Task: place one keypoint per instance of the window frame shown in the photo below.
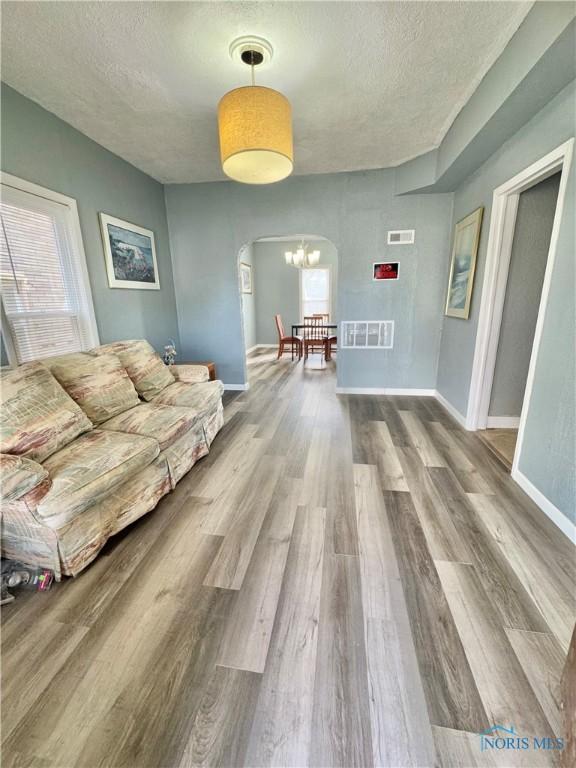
(328, 268)
(22, 185)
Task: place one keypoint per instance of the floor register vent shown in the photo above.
(367, 334)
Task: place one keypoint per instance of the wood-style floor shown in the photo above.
(502, 442)
(343, 581)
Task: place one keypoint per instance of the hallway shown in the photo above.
(342, 581)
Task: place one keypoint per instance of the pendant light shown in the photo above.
(255, 124)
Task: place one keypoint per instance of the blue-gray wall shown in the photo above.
(536, 209)
(210, 222)
(548, 455)
(248, 300)
(39, 147)
(278, 286)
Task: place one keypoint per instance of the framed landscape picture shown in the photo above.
(245, 277)
(130, 254)
(385, 270)
(463, 264)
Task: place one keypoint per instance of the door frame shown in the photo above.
(502, 225)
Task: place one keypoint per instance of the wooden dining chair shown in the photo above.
(330, 341)
(283, 340)
(314, 335)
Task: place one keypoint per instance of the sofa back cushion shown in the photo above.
(144, 366)
(37, 417)
(100, 385)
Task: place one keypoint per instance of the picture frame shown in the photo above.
(130, 254)
(385, 270)
(245, 277)
(463, 265)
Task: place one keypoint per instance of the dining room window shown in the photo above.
(315, 291)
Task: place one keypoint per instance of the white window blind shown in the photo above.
(315, 291)
(46, 303)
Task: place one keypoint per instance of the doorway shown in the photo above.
(529, 254)
(526, 213)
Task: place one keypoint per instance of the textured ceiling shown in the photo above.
(371, 83)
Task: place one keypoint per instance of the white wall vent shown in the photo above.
(367, 334)
(401, 236)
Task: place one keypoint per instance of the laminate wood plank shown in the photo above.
(468, 475)
(317, 471)
(443, 538)
(542, 659)
(249, 628)
(511, 600)
(221, 728)
(399, 719)
(450, 689)
(282, 727)
(231, 562)
(535, 565)
(341, 716)
(568, 705)
(401, 733)
(504, 689)
(340, 491)
(422, 441)
(29, 667)
(378, 565)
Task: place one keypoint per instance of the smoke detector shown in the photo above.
(251, 50)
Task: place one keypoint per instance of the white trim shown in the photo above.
(454, 412)
(502, 223)
(385, 391)
(560, 520)
(266, 346)
(8, 180)
(503, 422)
(241, 387)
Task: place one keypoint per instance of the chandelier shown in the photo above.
(255, 123)
(302, 257)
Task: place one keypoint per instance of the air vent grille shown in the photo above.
(401, 236)
(367, 334)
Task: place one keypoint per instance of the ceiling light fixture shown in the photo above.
(302, 257)
(255, 124)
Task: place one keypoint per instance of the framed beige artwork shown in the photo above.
(463, 265)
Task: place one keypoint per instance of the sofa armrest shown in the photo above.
(190, 374)
(19, 476)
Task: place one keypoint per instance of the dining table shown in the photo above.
(324, 327)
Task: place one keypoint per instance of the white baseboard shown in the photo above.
(561, 521)
(503, 422)
(384, 391)
(252, 349)
(454, 412)
(242, 387)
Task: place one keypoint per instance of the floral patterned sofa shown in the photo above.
(90, 442)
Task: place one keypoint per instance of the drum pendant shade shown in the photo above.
(255, 127)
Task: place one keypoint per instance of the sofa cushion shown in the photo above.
(100, 385)
(144, 366)
(87, 471)
(164, 423)
(201, 397)
(37, 416)
(19, 475)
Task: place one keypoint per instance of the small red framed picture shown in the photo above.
(385, 270)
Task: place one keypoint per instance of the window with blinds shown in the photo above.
(46, 301)
(315, 291)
